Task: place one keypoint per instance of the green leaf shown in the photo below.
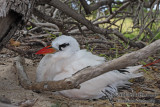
(29, 28)
(51, 35)
(144, 63)
(128, 105)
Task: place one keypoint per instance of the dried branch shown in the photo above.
(113, 15)
(91, 72)
(72, 13)
(127, 41)
(48, 25)
(93, 25)
(21, 51)
(39, 41)
(3, 10)
(85, 6)
(100, 3)
(37, 36)
(18, 63)
(144, 27)
(46, 17)
(78, 25)
(6, 105)
(148, 4)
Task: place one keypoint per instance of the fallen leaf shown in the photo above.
(14, 43)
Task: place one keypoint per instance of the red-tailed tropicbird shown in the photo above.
(68, 59)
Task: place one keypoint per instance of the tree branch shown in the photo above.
(78, 17)
(85, 6)
(99, 4)
(72, 13)
(46, 17)
(91, 72)
(127, 41)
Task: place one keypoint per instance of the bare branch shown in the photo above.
(3, 6)
(116, 12)
(78, 25)
(21, 73)
(6, 105)
(127, 41)
(48, 25)
(99, 4)
(72, 13)
(85, 6)
(46, 17)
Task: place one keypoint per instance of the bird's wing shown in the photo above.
(49, 66)
(86, 58)
(78, 61)
(108, 82)
(42, 67)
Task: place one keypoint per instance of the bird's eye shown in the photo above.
(63, 46)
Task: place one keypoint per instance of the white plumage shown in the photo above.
(70, 59)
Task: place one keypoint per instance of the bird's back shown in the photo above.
(78, 61)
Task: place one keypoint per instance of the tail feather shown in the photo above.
(133, 69)
(122, 80)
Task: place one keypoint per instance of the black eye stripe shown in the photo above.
(123, 71)
(63, 46)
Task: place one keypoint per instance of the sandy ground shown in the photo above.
(10, 88)
(14, 93)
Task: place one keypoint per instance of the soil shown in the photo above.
(12, 92)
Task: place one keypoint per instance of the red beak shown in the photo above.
(46, 50)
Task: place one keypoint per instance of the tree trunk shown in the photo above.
(13, 15)
(8, 26)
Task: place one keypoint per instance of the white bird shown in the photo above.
(69, 59)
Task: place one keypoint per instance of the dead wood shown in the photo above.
(8, 26)
(22, 7)
(46, 17)
(88, 73)
(6, 105)
(22, 51)
(24, 81)
(13, 15)
(72, 13)
(81, 19)
(85, 6)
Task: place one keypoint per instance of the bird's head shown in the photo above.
(63, 44)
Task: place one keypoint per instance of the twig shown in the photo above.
(127, 41)
(116, 12)
(18, 63)
(21, 51)
(39, 41)
(48, 25)
(46, 17)
(78, 25)
(85, 6)
(72, 13)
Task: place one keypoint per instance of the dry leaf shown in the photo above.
(158, 97)
(14, 43)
